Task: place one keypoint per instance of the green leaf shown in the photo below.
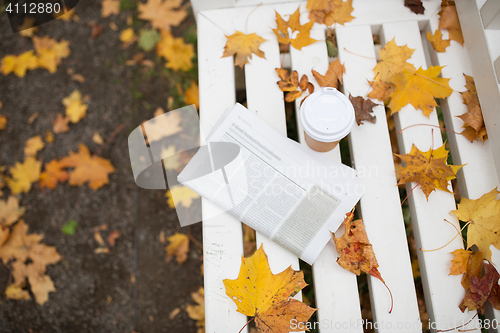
(69, 228)
(332, 49)
(148, 39)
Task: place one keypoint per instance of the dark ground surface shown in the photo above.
(95, 292)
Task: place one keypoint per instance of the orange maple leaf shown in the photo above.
(163, 14)
(243, 46)
(303, 36)
(178, 247)
(330, 11)
(54, 173)
(88, 168)
(438, 43)
(473, 120)
(428, 169)
(419, 89)
(290, 82)
(266, 297)
(381, 90)
(332, 76)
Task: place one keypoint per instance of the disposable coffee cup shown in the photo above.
(327, 116)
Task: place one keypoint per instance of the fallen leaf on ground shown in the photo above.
(266, 297)
(17, 293)
(163, 14)
(332, 76)
(23, 175)
(100, 250)
(60, 124)
(127, 36)
(243, 46)
(448, 19)
(49, 136)
(148, 39)
(110, 7)
(95, 32)
(161, 127)
(182, 195)
(178, 247)
(69, 228)
(473, 120)
(10, 211)
(75, 109)
(302, 37)
(50, 52)
(192, 95)
(419, 89)
(428, 169)
(415, 6)
(97, 138)
(3, 122)
(363, 109)
(196, 312)
(438, 43)
(112, 237)
(32, 118)
(177, 53)
(87, 168)
(33, 145)
(483, 219)
(98, 238)
(27, 29)
(175, 312)
(68, 16)
(53, 174)
(19, 65)
(170, 158)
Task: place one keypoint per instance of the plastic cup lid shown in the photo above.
(327, 115)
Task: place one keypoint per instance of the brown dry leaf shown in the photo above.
(100, 250)
(10, 211)
(97, 138)
(196, 312)
(192, 95)
(98, 238)
(303, 36)
(428, 169)
(460, 262)
(243, 46)
(53, 174)
(448, 19)
(113, 26)
(87, 168)
(60, 124)
(266, 297)
(419, 89)
(32, 118)
(438, 43)
(415, 6)
(75, 109)
(110, 7)
(23, 175)
(78, 77)
(290, 84)
(177, 53)
(332, 76)
(33, 145)
(381, 90)
(178, 247)
(96, 30)
(473, 120)
(163, 14)
(483, 221)
(112, 237)
(362, 109)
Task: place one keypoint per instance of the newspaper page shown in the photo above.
(272, 183)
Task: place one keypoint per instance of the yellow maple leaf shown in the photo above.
(192, 95)
(428, 169)
(170, 158)
(127, 36)
(163, 125)
(50, 52)
(53, 175)
(33, 145)
(110, 7)
(19, 65)
(483, 219)
(181, 195)
(460, 261)
(177, 53)
(448, 19)
(197, 312)
(393, 61)
(163, 14)
(75, 109)
(438, 43)
(10, 211)
(303, 36)
(87, 168)
(266, 297)
(178, 247)
(341, 12)
(23, 175)
(243, 46)
(419, 89)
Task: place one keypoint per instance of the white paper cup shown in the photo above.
(327, 116)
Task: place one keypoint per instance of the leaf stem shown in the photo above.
(246, 22)
(392, 299)
(446, 129)
(248, 322)
(359, 55)
(454, 328)
(408, 194)
(439, 248)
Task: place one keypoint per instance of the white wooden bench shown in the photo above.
(336, 290)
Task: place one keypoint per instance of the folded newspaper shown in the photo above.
(286, 191)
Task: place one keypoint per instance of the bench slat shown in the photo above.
(380, 204)
(442, 292)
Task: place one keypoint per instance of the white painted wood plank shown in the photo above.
(443, 293)
(222, 235)
(479, 175)
(336, 289)
(380, 204)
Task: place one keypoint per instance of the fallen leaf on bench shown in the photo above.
(330, 11)
(300, 34)
(243, 46)
(178, 247)
(415, 6)
(419, 89)
(332, 76)
(363, 109)
(290, 84)
(356, 252)
(197, 312)
(483, 221)
(163, 14)
(428, 169)
(393, 60)
(448, 19)
(438, 43)
(266, 297)
(473, 120)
